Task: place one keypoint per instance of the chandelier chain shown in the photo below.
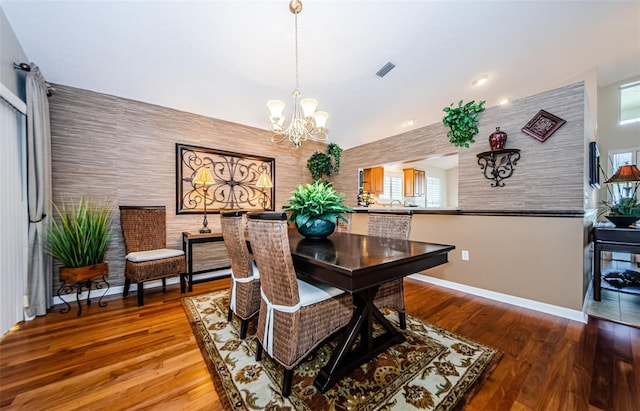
(297, 69)
(306, 122)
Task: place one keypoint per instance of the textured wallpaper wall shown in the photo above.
(123, 151)
(549, 176)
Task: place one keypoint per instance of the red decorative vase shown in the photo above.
(497, 139)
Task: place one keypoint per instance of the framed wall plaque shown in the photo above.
(235, 177)
(543, 125)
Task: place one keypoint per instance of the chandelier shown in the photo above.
(306, 123)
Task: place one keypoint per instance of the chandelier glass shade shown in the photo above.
(306, 123)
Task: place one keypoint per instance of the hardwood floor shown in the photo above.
(125, 357)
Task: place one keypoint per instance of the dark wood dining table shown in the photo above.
(359, 264)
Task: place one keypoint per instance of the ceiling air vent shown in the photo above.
(385, 69)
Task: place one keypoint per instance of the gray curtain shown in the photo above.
(39, 274)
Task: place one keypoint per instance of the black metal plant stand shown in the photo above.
(67, 289)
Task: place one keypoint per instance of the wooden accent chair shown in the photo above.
(245, 278)
(145, 241)
(396, 225)
(295, 316)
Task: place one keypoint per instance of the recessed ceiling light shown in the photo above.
(480, 80)
(409, 123)
(504, 101)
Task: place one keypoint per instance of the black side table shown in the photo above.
(188, 240)
(607, 237)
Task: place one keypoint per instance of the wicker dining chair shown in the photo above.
(396, 225)
(244, 296)
(344, 227)
(145, 242)
(295, 316)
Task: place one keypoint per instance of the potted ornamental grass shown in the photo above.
(315, 209)
(79, 238)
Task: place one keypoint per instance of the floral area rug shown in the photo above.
(433, 369)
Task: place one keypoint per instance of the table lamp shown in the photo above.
(204, 179)
(625, 174)
(264, 181)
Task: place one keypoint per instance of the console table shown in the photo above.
(607, 237)
(188, 240)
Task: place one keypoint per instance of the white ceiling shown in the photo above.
(225, 59)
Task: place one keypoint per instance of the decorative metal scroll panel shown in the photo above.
(235, 176)
(498, 165)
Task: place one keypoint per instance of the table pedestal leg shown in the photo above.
(345, 358)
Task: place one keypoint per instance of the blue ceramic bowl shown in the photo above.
(318, 230)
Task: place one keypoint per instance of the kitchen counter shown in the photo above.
(421, 210)
(457, 211)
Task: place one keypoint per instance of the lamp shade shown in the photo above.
(625, 174)
(264, 181)
(309, 106)
(276, 108)
(203, 178)
(321, 119)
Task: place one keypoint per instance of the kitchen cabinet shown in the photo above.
(373, 180)
(414, 182)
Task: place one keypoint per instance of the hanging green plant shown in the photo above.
(335, 150)
(462, 122)
(320, 164)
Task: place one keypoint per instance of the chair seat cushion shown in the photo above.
(150, 255)
(314, 293)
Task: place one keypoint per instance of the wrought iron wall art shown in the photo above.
(235, 176)
(498, 164)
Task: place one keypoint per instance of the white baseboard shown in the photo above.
(562, 312)
(96, 294)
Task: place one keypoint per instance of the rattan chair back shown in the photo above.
(244, 295)
(341, 226)
(270, 247)
(143, 228)
(235, 242)
(396, 225)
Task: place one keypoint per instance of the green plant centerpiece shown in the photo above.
(461, 121)
(315, 209)
(321, 164)
(79, 238)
